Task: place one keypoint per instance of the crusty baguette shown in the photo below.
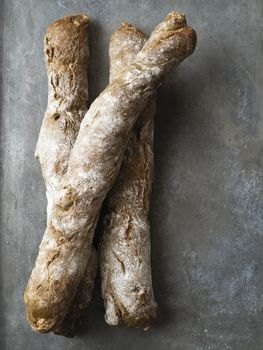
(125, 265)
(94, 163)
(67, 56)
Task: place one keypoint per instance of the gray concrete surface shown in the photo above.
(206, 212)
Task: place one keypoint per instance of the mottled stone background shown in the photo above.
(206, 211)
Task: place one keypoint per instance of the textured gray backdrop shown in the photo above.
(206, 212)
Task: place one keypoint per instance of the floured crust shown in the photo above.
(66, 55)
(93, 167)
(82, 299)
(121, 42)
(125, 266)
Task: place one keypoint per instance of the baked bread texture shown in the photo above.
(125, 265)
(82, 299)
(93, 166)
(67, 56)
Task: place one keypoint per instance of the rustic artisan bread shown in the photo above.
(67, 56)
(93, 165)
(125, 265)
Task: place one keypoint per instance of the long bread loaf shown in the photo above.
(125, 266)
(67, 56)
(94, 163)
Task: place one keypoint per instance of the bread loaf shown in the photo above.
(93, 165)
(125, 266)
(67, 56)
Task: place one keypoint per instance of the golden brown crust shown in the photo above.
(125, 250)
(64, 41)
(67, 56)
(93, 166)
